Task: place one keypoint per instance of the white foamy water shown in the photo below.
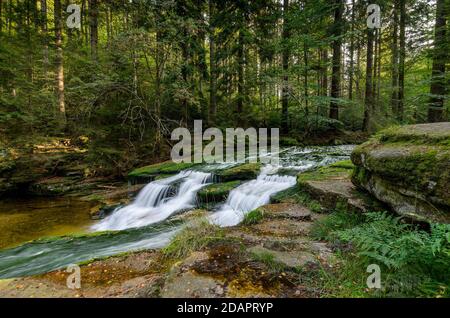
(250, 196)
(156, 202)
(153, 204)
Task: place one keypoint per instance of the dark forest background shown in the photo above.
(135, 70)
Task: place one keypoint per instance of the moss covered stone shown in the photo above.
(330, 188)
(165, 168)
(242, 172)
(342, 169)
(409, 169)
(216, 192)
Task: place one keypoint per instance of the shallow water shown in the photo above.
(23, 220)
(43, 256)
(144, 224)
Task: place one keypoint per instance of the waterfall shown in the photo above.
(250, 196)
(154, 204)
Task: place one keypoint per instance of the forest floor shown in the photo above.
(273, 253)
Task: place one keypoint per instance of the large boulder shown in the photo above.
(409, 169)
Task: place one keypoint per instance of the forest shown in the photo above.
(354, 203)
(132, 71)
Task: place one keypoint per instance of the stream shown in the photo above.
(147, 223)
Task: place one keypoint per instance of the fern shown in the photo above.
(417, 261)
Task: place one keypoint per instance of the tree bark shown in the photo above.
(440, 57)
(402, 58)
(375, 68)
(212, 67)
(324, 72)
(1, 16)
(395, 60)
(285, 66)
(305, 78)
(368, 104)
(59, 58)
(352, 52)
(337, 56)
(93, 24)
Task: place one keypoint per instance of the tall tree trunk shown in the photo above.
(241, 61)
(84, 24)
(108, 26)
(440, 58)
(212, 67)
(402, 58)
(185, 76)
(352, 53)
(9, 17)
(44, 27)
(305, 78)
(375, 68)
(337, 56)
(59, 58)
(395, 60)
(380, 41)
(368, 105)
(1, 16)
(285, 62)
(324, 71)
(93, 24)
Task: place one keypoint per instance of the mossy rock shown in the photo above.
(246, 171)
(330, 188)
(216, 192)
(340, 169)
(409, 169)
(164, 168)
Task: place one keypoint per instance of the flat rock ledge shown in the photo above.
(408, 168)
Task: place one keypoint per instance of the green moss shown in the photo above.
(243, 172)
(412, 166)
(166, 168)
(360, 176)
(336, 170)
(416, 134)
(217, 192)
(285, 196)
(299, 196)
(163, 176)
(254, 217)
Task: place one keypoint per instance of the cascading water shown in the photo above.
(153, 203)
(251, 196)
(148, 217)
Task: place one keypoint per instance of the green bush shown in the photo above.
(254, 217)
(193, 237)
(414, 262)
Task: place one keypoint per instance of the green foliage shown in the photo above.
(269, 260)
(317, 124)
(194, 237)
(387, 240)
(289, 142)
(327, 228)
(253, 217)
(414, 262)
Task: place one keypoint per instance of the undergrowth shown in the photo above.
(254, 217)
(413, 262)
(194, 237)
